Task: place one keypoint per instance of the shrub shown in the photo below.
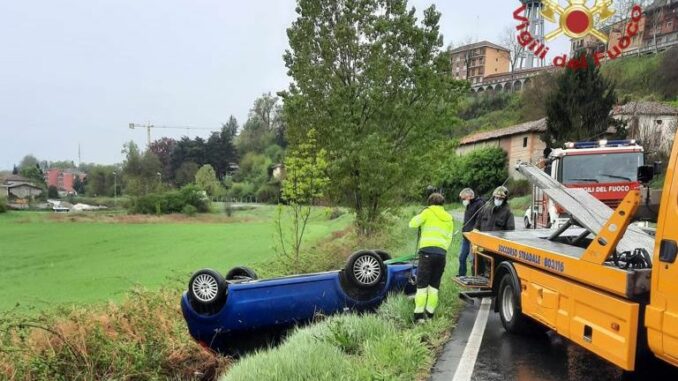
(336, 212)
(52, 192)
(3, 205)
(268, 193)
(482, 170)
(189, 210)
(143, 338)
(241, 190)
(171, 202)
(518, 188)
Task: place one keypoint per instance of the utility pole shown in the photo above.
(115, 188)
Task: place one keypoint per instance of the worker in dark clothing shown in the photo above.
(472, 205)
(496, 215)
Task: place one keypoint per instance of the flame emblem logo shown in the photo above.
(577, 19)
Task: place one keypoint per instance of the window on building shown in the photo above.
(525, 142)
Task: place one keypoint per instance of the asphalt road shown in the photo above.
(546, 357)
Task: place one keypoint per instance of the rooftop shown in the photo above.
(645, 108)
(478, 45)
(534, 126)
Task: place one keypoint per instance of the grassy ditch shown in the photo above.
(386, 345)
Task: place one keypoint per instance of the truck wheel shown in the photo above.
(207, 288)
(385, 256)
(508, 302)
(527, 222)
(365, 269)
(241, 273)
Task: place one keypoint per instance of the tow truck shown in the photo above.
(605, 168)
(597, 280)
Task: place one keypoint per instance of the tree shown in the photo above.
(79, 185)
(231, 127)
(306, 182)
(52, 192)
(378, 91)
(15, 170)
(186, 173)
(63, 164)
(29, 161)
(34, 173)
(162, 149)
(579, 107)
(141, 171)
(262, 125)
(101, 180)
(532, 98)
(220, 151)
(509, 40)
(206, 179)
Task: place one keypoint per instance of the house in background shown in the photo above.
(63, 179)
(522, 142)
(653, 124)
(19, 190)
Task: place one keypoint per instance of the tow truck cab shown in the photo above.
(661, 316)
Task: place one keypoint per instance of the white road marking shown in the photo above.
(470, 355)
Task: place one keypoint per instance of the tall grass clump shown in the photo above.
(143, 338)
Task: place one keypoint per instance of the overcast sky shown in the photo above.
(77, 72)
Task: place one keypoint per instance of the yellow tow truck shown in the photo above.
(597, 280)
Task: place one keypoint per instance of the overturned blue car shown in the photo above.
(219, 310)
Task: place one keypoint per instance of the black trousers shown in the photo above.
(430, 269)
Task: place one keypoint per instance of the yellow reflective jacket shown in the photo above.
(436, 227)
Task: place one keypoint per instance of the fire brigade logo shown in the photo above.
(577, 19)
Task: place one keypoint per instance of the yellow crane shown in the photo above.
(148, 127)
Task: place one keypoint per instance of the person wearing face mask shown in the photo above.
(472, 205)
(496, 215)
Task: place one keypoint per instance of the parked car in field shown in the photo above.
(217, 309)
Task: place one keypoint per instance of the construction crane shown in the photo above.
(148, 127)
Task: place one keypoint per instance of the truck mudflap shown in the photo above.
(604, 324)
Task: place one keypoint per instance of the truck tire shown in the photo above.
(526, 222)
(365, 269)
(508, 304)
(241, 273)
(207, 291)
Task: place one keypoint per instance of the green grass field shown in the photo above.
(46, 262)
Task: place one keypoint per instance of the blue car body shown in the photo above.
(283, 302)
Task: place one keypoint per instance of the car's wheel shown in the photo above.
(384, 255)
(241, 273)
(527, 222)
(207, 288)
(365, 269)
(508, 303)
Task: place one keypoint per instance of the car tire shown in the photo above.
(384, 255)
(207, 290)
(365, 269)
(526, 221)
(240, 273)
(508, 305)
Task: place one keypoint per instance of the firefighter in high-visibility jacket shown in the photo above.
(436, 236)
